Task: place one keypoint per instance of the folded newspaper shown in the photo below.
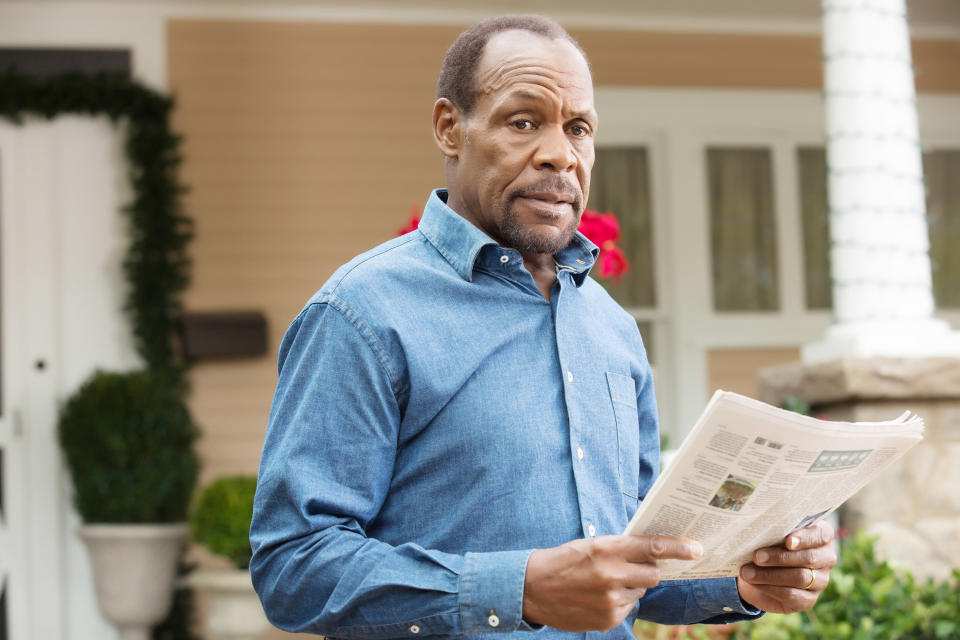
(749, 474)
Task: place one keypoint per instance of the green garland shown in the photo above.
(156, 265)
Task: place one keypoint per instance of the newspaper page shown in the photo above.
(749, 474)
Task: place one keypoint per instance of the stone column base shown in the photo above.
(914, 506)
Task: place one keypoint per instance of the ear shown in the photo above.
(448, 127)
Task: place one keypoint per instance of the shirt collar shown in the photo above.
(460, 242)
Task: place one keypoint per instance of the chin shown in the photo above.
(529, 241)
(527, 235)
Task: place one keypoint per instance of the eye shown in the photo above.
(522, 125)
(579, 131)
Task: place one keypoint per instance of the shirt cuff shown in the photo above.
(721, 597)
(491, 591)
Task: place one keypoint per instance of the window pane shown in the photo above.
(942, 172)
(621, 184)
(742, 230)
(814, 211)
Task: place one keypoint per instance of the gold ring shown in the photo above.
(813, 578)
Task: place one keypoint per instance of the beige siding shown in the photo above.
(736, 369)
(304, 145)
(636, 58)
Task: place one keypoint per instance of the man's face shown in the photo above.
(522, 169)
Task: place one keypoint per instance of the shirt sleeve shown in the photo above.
(326, 467)
(710, 601)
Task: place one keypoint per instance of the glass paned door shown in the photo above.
(814, 207)
(743, 234)
(942, 169)
(621, 184)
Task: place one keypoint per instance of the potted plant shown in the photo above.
(220, 521)
(128, 443)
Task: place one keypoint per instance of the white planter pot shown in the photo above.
(235, 612)
(134, 568)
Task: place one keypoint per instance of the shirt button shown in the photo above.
(727, 609)
(592, 530)
(493, 620)
(414, 628)
(569, 376)
(579, 453)
(504, 259)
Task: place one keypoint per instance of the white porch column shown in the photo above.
(880, 265)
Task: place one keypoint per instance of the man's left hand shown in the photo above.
(789, 577)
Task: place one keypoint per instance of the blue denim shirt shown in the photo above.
(436, 419)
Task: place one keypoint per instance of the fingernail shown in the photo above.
(762, 556)
(748, 572)
(697, 549)
(792, 543)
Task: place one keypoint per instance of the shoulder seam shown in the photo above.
(354, 319)
(373, 254)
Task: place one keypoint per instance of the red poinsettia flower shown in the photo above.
(613, 262)
(414, 220)
(603, 230)
(599, 227)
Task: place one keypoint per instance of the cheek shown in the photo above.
(584, 178)
(585, 168)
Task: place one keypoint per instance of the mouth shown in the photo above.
(548, 201)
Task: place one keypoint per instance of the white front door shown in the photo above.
(62, 186)
(13, 578)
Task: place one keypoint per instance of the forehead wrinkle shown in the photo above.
(520, 69)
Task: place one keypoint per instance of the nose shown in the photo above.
(555, 151)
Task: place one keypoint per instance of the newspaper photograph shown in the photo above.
(749, 473)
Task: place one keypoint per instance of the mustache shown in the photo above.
(555, 184)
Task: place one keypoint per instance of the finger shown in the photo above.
(640, 576)
(636, 594)
(818, 535)
(818, 558)
(648, 548)
(791, 599)
(797, 578)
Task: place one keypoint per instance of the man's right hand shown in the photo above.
(593, 584)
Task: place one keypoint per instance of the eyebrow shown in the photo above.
(587, 115)
(523, 93)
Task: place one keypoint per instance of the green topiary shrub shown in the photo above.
(221, 518)
(128, 442)
(868, 600)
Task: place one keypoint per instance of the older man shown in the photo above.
(465, 421)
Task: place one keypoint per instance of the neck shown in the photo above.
(543, 268)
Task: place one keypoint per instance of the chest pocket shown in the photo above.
(623, 397)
